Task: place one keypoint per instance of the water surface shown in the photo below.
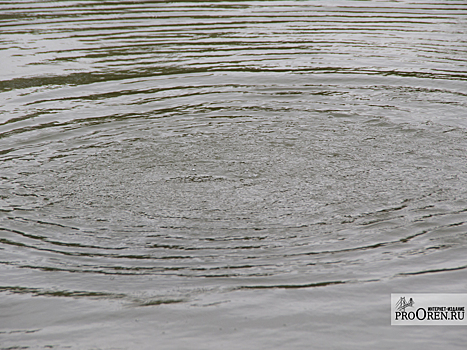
(249, 174)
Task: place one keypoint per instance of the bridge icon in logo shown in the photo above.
(402, 304)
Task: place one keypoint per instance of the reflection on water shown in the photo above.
(256, 172)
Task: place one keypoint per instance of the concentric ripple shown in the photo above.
(164, 152)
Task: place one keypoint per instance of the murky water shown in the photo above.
(249, 174)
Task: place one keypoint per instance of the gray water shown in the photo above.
(230, 175)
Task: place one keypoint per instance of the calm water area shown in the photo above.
(230, 174)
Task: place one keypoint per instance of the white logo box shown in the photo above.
(428, 309)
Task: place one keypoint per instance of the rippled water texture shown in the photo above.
(238, 175)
